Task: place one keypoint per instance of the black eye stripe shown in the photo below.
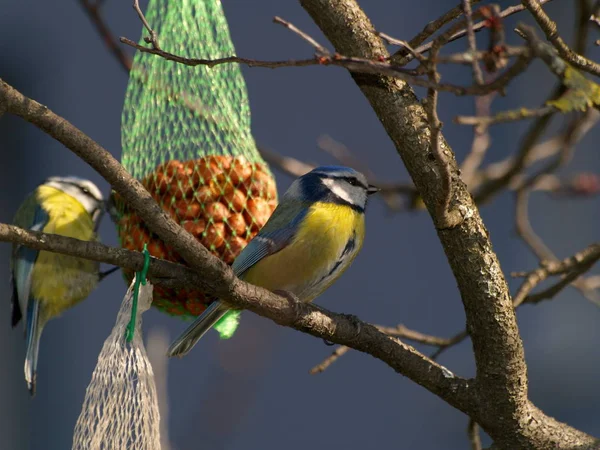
(351, 180)
(84, 190)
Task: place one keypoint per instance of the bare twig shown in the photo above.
(343, 154)
(481, 141)
(477, 74)
(494, 184)
(355, 64)
(153, 38)
(393, 41)
(212, 276)
(573, 266)
(428, 31)
(473, 433)
(93, 11)
(398, 331)
(318, 47)
(524, 228)
(444, 217)
(323, 366)
(510, 170)
(289, 165)
(454, 340)
(505, 116)
(550, 29)
(463, 32)
(467, 57)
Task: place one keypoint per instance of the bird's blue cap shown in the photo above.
(334, 170)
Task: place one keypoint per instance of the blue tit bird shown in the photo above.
(45, 284)
(311, 238)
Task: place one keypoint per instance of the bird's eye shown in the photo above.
(85, 190)
(353, 182)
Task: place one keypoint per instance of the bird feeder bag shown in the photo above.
(186, 136)
(120, 409)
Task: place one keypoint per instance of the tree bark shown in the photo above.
(503, 408)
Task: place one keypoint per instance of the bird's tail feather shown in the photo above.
(184, 343)
(34, 332)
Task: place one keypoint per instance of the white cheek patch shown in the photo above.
(338, 189)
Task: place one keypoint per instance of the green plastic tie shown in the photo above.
(140, 277)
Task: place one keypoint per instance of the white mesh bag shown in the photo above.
(120, 410)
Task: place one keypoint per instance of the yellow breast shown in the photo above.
(302, 267)
(60, 281)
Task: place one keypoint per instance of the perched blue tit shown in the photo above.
(45, 284)
(311, 238)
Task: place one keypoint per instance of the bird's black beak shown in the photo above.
(372, 189)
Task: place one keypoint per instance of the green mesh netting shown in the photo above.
(186, 136)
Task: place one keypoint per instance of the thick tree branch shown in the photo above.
(212, 276)
(501, 383)
(161, 272)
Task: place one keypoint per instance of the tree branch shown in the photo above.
(401, 57)
(501, 383)
(573, 267)
(211, 275)
(398, 331)
(93, 10)
(355, 64)
(550, 29)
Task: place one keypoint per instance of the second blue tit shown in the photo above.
(314, 234)
(45, 284)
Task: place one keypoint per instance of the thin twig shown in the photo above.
(321, 50)
(508, 172)
(467, 57)
(505, 116)
(550, 29)
(444, 217)
(337, 353)
(153, 38)
(354, 64)
(577, 264)
(481, 141)
(94, 13)
(524, 228)
(477, 74)
(211, 275)
(428, 31)
(474, 436)
(393, 41)
(463, 32)
(454, 340)
(398, 331)
(289, 165)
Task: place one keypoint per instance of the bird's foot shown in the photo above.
(293, 300)
(357, 324)
(287, 294)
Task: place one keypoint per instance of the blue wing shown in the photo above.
(277, 233)
(23, 260)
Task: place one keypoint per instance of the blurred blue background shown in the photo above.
(254, 391)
